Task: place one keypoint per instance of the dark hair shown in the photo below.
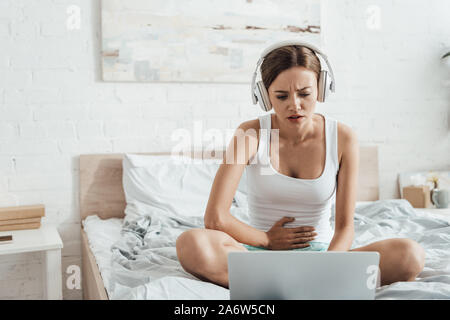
(285, 58)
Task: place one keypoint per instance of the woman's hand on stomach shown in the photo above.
(281, 238)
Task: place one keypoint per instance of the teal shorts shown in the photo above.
(313, 246)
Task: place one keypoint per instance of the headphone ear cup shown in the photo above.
(324, 86)
(263, 96)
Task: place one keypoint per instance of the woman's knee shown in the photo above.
(188, 243)
(199, 248)
(411, 256)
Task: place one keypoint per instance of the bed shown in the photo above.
(102, 206)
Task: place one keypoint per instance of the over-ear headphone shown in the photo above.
(326, 80)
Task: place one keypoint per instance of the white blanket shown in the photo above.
(144, 264)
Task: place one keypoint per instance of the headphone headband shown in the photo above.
(290, 43)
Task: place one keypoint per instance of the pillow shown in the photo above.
(170, 184)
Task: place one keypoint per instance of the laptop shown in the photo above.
(308, 275)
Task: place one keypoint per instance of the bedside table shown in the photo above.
(47, 240)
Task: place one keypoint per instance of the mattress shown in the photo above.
(432, 232)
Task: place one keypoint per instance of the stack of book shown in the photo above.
(21, 217)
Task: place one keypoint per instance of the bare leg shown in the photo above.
(204, 253)
(400, 259)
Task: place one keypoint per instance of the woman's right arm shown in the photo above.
(242, 147)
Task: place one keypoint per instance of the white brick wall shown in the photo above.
(54, 106)
(390, 86)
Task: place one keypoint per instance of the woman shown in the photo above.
(314, 158)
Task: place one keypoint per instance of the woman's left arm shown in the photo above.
(346, 192)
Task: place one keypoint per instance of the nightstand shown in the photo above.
(45, 239)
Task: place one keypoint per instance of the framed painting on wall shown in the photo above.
(198, 40)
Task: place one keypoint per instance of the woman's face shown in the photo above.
(294, 92)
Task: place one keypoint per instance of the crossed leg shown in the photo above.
(400, 259)
(203, 253)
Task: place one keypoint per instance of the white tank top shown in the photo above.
(272, 195)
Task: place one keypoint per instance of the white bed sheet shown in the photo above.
(102, 234)
(434, 281)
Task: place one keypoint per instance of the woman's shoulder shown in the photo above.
(347, 139)
(250, 124)
(346, 132)
(248, 135)
(249, 128)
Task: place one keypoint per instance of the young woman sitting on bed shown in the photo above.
(292, 184)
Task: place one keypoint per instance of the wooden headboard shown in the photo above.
(101, 190)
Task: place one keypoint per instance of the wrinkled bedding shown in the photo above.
(143, 263)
